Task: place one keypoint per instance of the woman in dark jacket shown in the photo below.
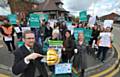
(48, 30)
(79, 61)
(68, 47)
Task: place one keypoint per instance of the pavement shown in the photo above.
(95, 68)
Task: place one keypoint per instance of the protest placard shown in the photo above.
(12, 18)
(105, 39)
(25, 28)
(17, 29)
(76, 31)
(92, 21)
(43, 17)
(83, 15)
(34, 21)
(108, 23)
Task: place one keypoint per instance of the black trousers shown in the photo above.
(82, 73)
(102, 51)
(9, 44)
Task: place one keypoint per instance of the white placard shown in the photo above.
(108, 23)
(17, 29)
(52, 22)
(7, 38)
(92, 21)
(105, 39)
(25, 28)
(63, 68)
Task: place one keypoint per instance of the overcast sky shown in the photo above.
(93, 7)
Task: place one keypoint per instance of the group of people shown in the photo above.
(28, 57)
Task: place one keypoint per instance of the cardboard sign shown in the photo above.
(63, 68)
(34, 21)
(12, 18)
(108, 23)
(83, 16)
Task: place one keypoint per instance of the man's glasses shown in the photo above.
(30, 38)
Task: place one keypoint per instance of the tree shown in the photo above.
(20, 7)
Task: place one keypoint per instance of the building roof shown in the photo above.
(49, 5)
(110, 16)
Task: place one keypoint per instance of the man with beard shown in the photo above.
(27, 58)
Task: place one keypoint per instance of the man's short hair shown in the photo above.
(26, 32)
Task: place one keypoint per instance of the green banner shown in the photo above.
(76, 31)
(44, 16)
(12, 18)
(34, 21)
(83, 16)
(20, 43)
(87, 33)
(55, 43)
